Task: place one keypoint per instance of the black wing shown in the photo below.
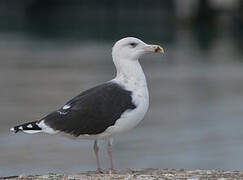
(92, 111)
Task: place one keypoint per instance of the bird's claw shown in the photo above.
(100, 171)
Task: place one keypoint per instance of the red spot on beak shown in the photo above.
(158, 50)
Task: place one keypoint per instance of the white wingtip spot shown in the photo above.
(62, 113)
(20, 127)
(12, 130)
(66, 106)
(29, 126)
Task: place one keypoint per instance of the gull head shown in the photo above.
(133, 48)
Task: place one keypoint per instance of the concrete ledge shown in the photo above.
(140, 174)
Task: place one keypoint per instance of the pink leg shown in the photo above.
(109, 150)
(112, 170)
(96, 150)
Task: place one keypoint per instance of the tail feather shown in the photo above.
(31, 127)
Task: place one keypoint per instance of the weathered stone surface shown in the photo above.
(140, 174)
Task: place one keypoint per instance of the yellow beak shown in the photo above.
(155, 48)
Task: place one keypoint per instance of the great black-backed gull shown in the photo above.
(107, 109)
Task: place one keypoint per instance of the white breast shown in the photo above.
(130, 118)
(131, 76)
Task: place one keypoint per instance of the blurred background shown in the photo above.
(51, 50)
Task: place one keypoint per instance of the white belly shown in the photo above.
(130, 118)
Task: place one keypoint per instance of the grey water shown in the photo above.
(194, 121)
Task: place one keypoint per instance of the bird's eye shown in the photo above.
(133, 44)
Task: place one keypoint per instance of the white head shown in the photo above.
(132, 48)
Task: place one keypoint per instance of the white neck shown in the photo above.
(131, 75)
